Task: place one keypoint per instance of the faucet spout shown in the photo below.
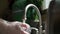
(39, 14)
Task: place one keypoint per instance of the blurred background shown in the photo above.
(13, 10)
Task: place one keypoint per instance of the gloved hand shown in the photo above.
(13, 27)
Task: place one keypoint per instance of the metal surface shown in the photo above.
(38, 12)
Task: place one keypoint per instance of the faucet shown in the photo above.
(38, 12)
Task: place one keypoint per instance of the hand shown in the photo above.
(12, 27)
